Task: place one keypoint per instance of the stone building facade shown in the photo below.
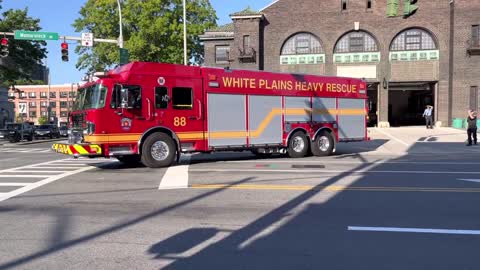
(430, 57)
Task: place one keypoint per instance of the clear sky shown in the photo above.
(58, 16)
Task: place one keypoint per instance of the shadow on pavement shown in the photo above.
(303, 233)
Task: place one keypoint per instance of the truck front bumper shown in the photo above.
(78, 150)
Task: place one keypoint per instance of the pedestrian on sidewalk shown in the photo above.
(472, 127)
(428, 116)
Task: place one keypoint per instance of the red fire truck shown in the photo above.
(153, 112)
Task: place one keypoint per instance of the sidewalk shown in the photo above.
(411, 140)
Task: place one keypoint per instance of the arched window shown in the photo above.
(355, 42)
(413, 40)
(302, 43)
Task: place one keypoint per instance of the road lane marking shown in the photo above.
(53, 166)
(332, 188)
(329, 171)
(413, 230)
(176, 176)
(470, 180)
(393, 137)
(14, 184)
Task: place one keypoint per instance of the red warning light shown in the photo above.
(4, 41)
(64, 45)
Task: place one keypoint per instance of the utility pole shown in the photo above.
(184, 32)
(120, 38)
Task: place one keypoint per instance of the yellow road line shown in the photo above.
(333, 188)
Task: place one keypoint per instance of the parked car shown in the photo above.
(63, 131)
(14, 132)
(47, 131)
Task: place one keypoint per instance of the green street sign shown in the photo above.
(124, 56)
(32, 35)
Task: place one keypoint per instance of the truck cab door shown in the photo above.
(179, 106)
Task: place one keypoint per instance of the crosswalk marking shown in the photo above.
(13, 184)
(35, 171)
(25, 150)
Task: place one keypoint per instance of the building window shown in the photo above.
(33, 114)
(43, 104)
(32, 104)
(53, 95)
(71, 94)
(344, 4)
(53, 113)
(31, 94)
(63, 94)
(63, 114)
(302, 43)
(43, 94)
(474, 98)
(369, 4)
(63, 104)
(413, 40)
(23, 95)
(182, 98)
(476, 35)
(44, 113)
(222, 53)
(356, 42)
(53, 104)
(246, 42)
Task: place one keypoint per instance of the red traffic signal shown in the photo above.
(64, 51)
(4, 47)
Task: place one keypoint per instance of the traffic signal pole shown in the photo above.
(101, 40)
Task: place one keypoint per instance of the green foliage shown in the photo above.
(24, 55)
(42, 120)
(152, 31)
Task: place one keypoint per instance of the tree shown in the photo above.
(152, 30)
(42, 120)
(24, 55)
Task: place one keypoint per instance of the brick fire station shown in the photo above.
(411, 57)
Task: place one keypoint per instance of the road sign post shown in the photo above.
(32, 35)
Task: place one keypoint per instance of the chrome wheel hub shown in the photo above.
(323, 143)
(298, 144)
(160, 151)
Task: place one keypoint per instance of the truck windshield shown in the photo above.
(92, 97)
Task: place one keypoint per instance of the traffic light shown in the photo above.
(392, 8)
(409, 8)
(4, 47)
(64, 52)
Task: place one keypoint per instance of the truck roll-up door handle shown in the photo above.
(192, 118)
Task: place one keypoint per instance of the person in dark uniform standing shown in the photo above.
(472, 127)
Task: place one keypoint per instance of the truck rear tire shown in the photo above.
(323, 144)
(129, 159)
(158, 151)
(298, 145)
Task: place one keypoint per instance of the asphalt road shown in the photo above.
(364, 208)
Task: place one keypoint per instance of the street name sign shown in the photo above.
(87, 39)
(32, 35)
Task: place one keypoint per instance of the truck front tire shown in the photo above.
(158, 151)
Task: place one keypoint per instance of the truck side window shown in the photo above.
(161, 97)
(182, 98)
